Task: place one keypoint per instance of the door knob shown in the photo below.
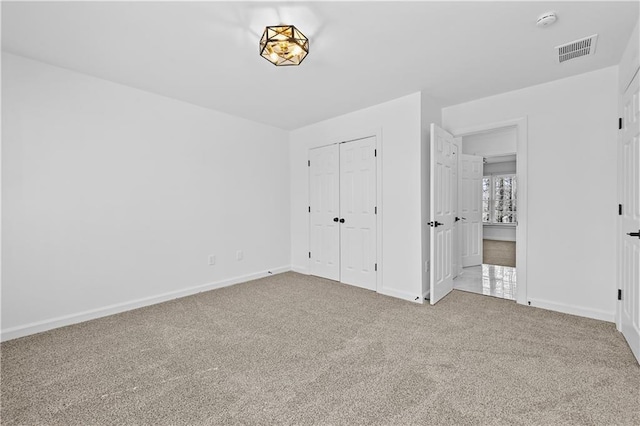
(335, 219)
(460, 218)
(434, 224)
(634, 234)
(342, 220)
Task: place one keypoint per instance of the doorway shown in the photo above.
(343, 210)
(492, 210)
(499, 210)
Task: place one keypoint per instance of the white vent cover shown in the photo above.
(583, 47)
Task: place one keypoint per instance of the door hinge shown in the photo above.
(309, 255)
(619, 294)
(375, 210)
(375, 267)
(619, 209)
(309, 209)
(620, 123)
(375, 152)
(309, 163)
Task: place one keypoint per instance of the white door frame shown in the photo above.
(521, 175)
(380, 210)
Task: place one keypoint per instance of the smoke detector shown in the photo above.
(583, 47)
(546, 19)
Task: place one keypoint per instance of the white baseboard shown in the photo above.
(300, 269)
(574, 310)
(40, 326)
(401, 295)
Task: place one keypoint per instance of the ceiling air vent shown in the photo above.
(583, 47)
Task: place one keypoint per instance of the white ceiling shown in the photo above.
(362, 53)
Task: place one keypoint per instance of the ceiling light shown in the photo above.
(283, 45)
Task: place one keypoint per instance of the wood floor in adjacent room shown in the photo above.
(501, 253)
(294, 349)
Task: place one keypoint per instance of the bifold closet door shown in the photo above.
(324, 238)
(357, 213)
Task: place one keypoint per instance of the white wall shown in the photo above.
(499, 232)
(499, 168)
(114, 197)
(630, 60)
(571, 166)
(496, 142)
(398, 124)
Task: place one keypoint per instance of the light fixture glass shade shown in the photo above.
(284, 45)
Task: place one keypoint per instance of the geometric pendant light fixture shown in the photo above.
(283, 45)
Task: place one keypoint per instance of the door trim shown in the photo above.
(522, 172)
(377, 133)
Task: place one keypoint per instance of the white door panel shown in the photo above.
(442, 169)
(629, 245)
(357, 209)
(324, 239)
(470, 203)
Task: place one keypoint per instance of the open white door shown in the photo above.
(470, 204)
(629, 239)
(324, 179)
(358, 213)
(442, 164)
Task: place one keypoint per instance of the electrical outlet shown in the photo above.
(239, 255)
(212, 259)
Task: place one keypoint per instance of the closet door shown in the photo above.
(324, 212)
(358, 213)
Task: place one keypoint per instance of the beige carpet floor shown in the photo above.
(501, 253)
(292, 349)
